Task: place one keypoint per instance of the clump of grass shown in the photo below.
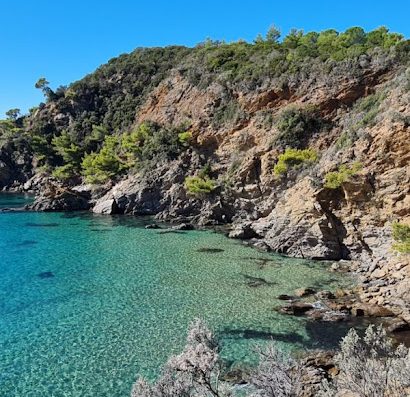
(334, 180)
(198, 186)
(401, 234)
(294, 158)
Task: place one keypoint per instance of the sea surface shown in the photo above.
(88, 302)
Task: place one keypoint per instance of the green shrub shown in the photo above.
(295, 125)
(346, 139)
(401, 234)
(197, 186)
(294, 158)
(65, 172)
(184, 137)
(334, 180)
(369, 106)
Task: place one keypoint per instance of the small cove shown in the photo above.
(87, 302)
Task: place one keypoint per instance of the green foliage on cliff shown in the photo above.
(269, 58)
(294, 158)
(184, 137)
(401, 234)
(146, 144)
(334, 180)
(295, 125)
(197, 185)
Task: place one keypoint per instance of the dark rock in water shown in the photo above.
(26, 243)
(397, 325)
(301, 292)
(101, 230)
(32, 224)
(284, 297)
(325, 295)
(210, 250)
(20, 209)
(256, 281)
(170, 231)
(296, 308)
(184, 226)
(46, 275)
(152, 226)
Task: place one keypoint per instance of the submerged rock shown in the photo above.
(296, 308)
(284, 297)
(210, 250)
(45, 275)
(302, 292)
(184, 226)
(152, 226)
(252, 281)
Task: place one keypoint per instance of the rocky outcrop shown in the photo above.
(15, 166)
(107, 207)
(56, 198)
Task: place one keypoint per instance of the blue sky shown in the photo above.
(64, 40)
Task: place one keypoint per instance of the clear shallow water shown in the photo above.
(87, 302)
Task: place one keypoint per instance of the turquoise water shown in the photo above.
(87, 302)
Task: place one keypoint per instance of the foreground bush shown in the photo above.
(370, 366)
(194, 372)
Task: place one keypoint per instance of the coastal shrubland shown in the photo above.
(367, 366)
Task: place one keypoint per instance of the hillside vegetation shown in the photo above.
(70, 134)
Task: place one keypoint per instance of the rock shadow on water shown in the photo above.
(45, 275)
(171, 231)
(210, 250)
(290, 337)
(262, 263)
(100, 230)
(256, 282)
(33, 224)
(27, 243)
(327, 335)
